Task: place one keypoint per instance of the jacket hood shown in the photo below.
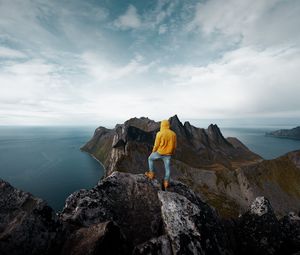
(165, 124)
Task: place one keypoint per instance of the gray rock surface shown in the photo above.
(191, 228)
(129, 200)
(27, 224)
(126, 213)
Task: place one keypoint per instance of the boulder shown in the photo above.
(27, 224)
(192, 228)
(258, 230)
(129, 200)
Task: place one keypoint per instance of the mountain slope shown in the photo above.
(293, 133)
(224, 172)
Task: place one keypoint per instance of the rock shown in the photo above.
(191, 228)
(258, 230)
(216, 137)
(290, 225)
(126, 213)
(102, 238)
(143, 213)
(27, 224)
(261, 206)
(128, 145)
(160, 246)
(126, 149)
(129, 200)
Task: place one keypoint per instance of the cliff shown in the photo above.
(128, 214)
(223, 172)
(293, 133)
(128, 146)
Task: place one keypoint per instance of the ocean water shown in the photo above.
(265, 146)
(47, 161)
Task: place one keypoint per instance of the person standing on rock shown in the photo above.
(164, 147)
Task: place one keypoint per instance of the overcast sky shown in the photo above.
(85, 62)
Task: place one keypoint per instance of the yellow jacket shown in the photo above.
(165, 140)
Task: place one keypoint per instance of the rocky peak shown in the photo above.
(176, 221)
(129, 214)
(261, 206)
(214, 133)
(177, 126)
(143, 123)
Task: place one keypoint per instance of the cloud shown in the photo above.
(129, 20)
(270, 22)
(11, 53)
(104, 71)
(74, 63)
(245, 82)
(162, 29)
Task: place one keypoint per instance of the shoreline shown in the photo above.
(104, 170)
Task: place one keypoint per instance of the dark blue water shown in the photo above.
(265, 146)
(47, 161)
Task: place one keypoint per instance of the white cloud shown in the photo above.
(129, 20)
(258, 22)
(245, 82)
(10, 53)
(66, 66)
(103, 71)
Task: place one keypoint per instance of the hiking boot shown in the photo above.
(150, 175)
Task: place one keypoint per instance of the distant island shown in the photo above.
(293, 133)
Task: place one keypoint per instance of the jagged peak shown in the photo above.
(186, 123)
(175, 122)
(175, 119)
(214, 130)
(213, 127)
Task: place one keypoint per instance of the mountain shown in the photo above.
(128, 146)
(224, 172)
(293, 133)
(128, 214)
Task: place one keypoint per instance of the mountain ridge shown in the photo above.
(220, 170)
(293, 133)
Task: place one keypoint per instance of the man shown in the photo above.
(164, 147)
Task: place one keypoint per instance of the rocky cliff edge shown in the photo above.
(128, 214)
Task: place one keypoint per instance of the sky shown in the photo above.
(87, 62)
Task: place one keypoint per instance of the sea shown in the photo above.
(48, 162)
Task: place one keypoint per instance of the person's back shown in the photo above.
(164, 146)
(165, 141)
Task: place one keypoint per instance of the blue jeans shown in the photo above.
(166, 158)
